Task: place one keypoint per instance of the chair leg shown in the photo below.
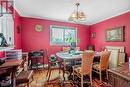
(91, 79)
(107, 74)
(48, 71)
(32, 78)
(73, 73)
(27, 84)
(82, 82)
(49, 75)
(59, 69)
(100, 74)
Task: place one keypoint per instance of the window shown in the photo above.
(60, 35)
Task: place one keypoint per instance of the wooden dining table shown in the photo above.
(12, 66)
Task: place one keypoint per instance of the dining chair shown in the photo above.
(102, 65)
(24, 75)
(85, 68)
(91, 47)
(77, 49)
(66, 49)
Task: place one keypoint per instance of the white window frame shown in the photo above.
(62, 27)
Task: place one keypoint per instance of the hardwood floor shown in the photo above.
(40, 80)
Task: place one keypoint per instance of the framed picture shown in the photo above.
(93, 35)
(115, 34)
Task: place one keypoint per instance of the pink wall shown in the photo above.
(32, 40)
(100, 28)
(17, 36)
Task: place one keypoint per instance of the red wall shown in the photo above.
(100, 28)
(32, 40)
(17, 36)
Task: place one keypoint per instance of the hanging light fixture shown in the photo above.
(77, 16)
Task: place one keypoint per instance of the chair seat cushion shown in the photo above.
(24, 76)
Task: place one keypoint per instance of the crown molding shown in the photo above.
(81, 23)
(111, 17)
(53, 19)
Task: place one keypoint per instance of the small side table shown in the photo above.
(37, 62)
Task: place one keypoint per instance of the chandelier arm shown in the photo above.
(77, 13)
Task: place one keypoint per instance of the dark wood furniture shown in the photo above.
(24, 77)
(11, 65)
(35, 58)
(120, 76)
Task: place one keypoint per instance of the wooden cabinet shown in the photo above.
(120, 76)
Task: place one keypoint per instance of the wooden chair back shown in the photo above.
(87, 61)
(77, 49)
(104, 59)
(91, 47)
(66, 49)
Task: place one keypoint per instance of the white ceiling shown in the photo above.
(95, 10)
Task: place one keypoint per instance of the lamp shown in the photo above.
(77, 15)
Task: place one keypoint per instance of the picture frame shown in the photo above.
(115, 34)
(93, 35)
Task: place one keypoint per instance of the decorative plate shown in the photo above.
(38, 28)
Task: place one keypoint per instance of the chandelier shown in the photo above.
(77, 16)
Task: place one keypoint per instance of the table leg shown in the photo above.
(13, 79)
(43, 62)
(31, 63)
(64, 63)
(37, 63)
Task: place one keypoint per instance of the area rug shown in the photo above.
(58, 83)
(54, 83)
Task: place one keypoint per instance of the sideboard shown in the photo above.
(120, 76)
